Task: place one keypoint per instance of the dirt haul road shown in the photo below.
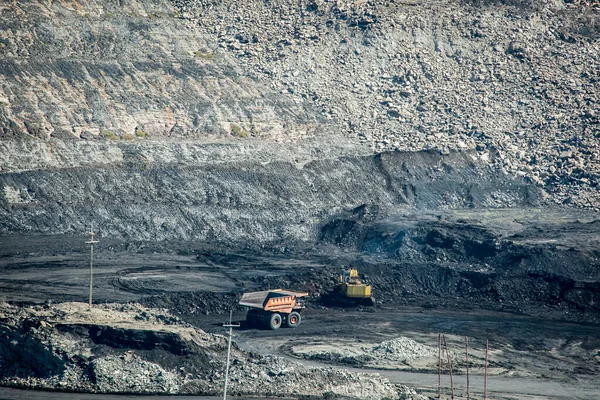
(528, 358)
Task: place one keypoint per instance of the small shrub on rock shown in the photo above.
(238, 131)
(140, 133)
(109, 135)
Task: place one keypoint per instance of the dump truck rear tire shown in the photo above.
(252, 317)
(275, 321)
(294, 319)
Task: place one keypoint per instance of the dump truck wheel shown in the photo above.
(252, 317)
(293, 320)
(275, 321)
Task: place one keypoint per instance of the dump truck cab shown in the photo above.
(273, 308)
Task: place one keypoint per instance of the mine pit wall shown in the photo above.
(131, 70)
(246, 203)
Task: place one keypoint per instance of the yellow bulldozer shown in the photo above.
(351, 290)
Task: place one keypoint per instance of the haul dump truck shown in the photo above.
(350, 290)
(273, 308)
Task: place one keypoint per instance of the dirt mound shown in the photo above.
(402, 349)
(127, 348)
(398, 353)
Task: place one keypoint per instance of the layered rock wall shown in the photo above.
(248, 203)
(110, 109)
(127, 71)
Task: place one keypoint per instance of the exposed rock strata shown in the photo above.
(249, 204)
(127, 71)
(519, 78)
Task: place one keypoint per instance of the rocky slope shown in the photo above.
(250, 204)
(116, 348)
(99, 83)
(517, 76)
(127, 70)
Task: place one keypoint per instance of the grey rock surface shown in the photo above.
(517, 76)
(101, 83)
(114, 71)
(249, 204)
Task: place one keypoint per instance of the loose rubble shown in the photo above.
(402, 349)
(515, 78)
(127, 348)
(400, 353)
(132, 374)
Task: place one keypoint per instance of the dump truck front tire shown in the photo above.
(294, 319)
(275, 321)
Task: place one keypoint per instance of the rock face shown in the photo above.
(517, 76)
(117, 348)
(250, 204)
(127, 71)
(94, 83)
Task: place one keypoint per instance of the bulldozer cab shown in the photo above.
(349, 276)
(351, 290)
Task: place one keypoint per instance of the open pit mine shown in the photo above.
(313, 199)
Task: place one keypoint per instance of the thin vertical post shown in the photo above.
(450, 365)
(230, 326)
(467, 361)
(91, 274)
(439, 366)
(485, 371)
(91, 242)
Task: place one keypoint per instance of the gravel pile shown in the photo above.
(272, 376)
(397, 353)
(401, 349)
(516, 78)
(128, 373)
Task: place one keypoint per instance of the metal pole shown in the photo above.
(439, 366)
(467, 360)
(450, 365)
(91, 273)
(230, 326)
(227, 365)
(485, 371)
(91, 243)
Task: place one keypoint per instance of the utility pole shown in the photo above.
(439, 366)
(485, 371)
(230, 326)
(91, 242)
(450, 365)
(467, 362)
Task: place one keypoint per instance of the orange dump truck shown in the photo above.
(273, 308)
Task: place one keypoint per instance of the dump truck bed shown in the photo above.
(272, 300)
